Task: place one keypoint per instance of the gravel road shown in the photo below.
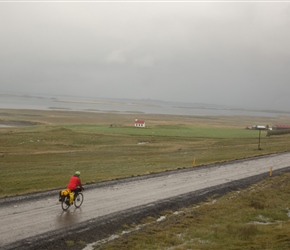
(31, 220)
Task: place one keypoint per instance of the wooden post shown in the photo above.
(271, 171)
(193, 163)
(259, 139)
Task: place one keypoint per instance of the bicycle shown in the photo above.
(78, 201)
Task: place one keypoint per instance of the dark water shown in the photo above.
(125, 106)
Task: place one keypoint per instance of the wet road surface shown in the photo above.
(23, 218)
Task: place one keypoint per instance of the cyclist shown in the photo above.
(75, 184)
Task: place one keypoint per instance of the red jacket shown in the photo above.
(74, 183)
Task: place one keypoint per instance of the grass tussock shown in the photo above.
(238, 220)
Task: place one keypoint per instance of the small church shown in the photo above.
(139, 123)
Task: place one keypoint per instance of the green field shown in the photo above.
(107, 146)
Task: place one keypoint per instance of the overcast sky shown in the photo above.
(228, 53)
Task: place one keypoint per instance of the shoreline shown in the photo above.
(124, 106)
(13, 118)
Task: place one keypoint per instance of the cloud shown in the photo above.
(116, 56)
(145, 61)
(216, 52)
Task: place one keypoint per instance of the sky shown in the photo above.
(233, 53)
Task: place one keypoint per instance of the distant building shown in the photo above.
(260, 127)
(139, 123)
(280, 126)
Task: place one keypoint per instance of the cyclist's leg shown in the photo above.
(71, 196)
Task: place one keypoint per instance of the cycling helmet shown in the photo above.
(78, 173)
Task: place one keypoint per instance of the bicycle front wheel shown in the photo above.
(79, 200)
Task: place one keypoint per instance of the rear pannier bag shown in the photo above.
(64, 193)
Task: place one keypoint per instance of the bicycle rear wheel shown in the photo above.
(79, 200)
(65, 204)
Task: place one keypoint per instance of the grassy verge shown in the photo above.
(253, 218)
(107, 146)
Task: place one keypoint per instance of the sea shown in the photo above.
(125, 106)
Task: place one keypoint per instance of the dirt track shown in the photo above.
(38, 222)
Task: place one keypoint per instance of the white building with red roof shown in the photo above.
(139, 123)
